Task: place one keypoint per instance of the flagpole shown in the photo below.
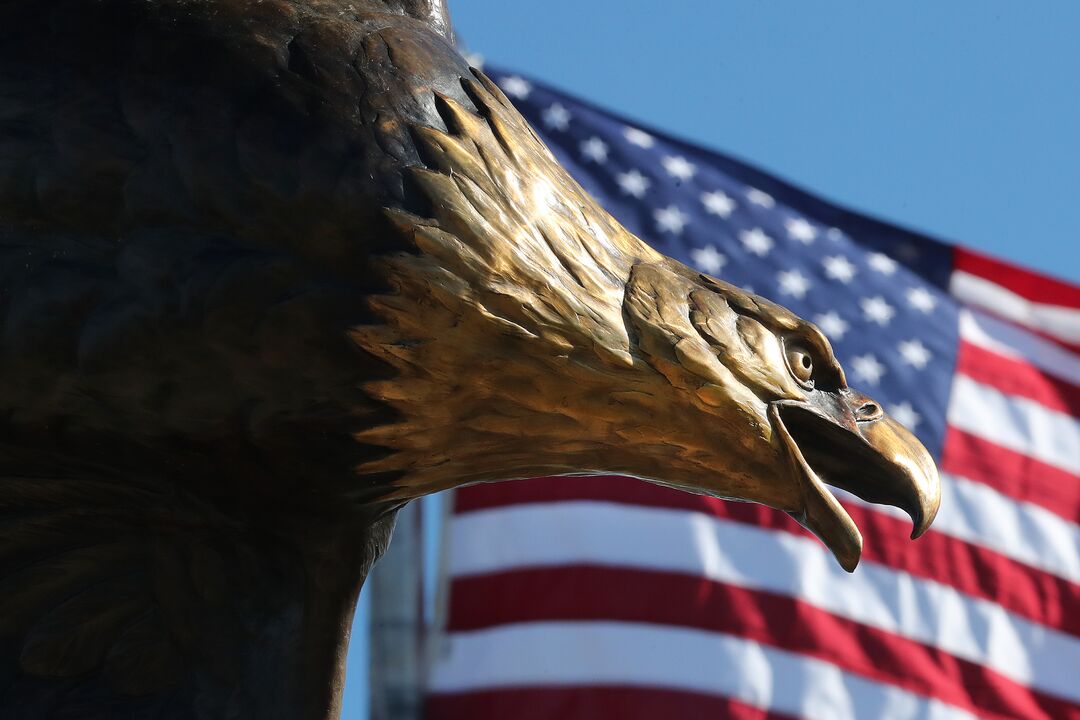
(397, 622)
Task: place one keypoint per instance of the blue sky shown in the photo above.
(958, 118)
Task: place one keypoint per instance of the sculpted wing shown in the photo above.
(189, 192)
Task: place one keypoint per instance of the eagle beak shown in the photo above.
(844, 439)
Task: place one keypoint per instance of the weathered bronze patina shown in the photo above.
(534, 335)
(271, 268)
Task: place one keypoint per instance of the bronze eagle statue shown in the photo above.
(269, 269)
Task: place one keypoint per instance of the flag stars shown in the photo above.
(921, 299)
(756, 241)
(718, 202)
(671, 219)
(832, 325)
(834, 234)
(875, 309)
(595, 149)
(634, 136)
(516, 86)
(678, 167)
(914, 353)
(882, 263)
(557, 117)
(633, 183)
(760, 197)
(792, 282)
(838, 267)
(905, 414)
(801, 230)
(867, 368)
(708, 259)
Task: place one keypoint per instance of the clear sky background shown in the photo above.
(959, 118)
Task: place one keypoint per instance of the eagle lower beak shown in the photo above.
(843, 438)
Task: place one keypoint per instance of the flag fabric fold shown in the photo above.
(608, 597)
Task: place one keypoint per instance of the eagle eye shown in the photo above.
(800, 364)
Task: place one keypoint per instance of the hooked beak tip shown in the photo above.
(923, 517)
(878, 460)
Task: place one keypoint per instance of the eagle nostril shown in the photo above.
(868, 411)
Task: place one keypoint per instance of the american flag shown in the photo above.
(610, 598)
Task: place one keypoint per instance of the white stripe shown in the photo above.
(567, 533)
(1011, 341)
(978, 514)
(973, 512)
(607, 653)
(1016, 423)
(1057, 320)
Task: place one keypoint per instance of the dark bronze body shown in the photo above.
(270, 268)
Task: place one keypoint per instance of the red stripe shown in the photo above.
(590, 703)
(613, 488)
(583, 593)
(1017, 377)
(973, 570)
(1014, 474)
(1025, 283)
(1034, 286)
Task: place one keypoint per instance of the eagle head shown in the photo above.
(531, 334)
(763, 401)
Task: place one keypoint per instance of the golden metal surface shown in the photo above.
(534, 335)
